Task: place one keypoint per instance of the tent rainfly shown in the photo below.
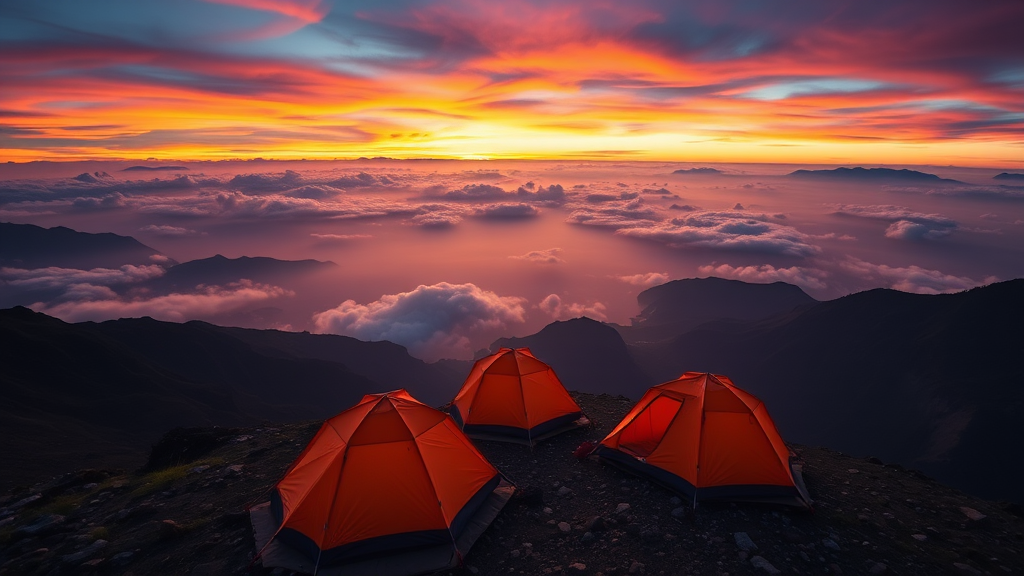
(389, 486)
(512, 396)
(702, 436)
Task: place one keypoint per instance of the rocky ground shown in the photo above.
(184, 513)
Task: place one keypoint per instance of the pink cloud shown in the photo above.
(82, 302)
(553, 306)
(810, 278)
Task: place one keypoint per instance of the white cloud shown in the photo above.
(168, 230)
(548, 256)
(646, 280)
(727, 231)
(811, 278)
(553, 306)
(340, 237)
(441, 320)
(53, 277)
(506, 211)
(83, 302)
(618, 214)
(905, 224)
(912, 278)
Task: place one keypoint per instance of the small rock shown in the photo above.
(919, 537)
(966, 568)
(564, 491)
(678, 512)
(760, 563)
(878, 568)
(564, 527)
(232, 471)
(853, 471)
(621, 508)
(973, 514)
(242, 438)
(89, 486)
(587, 537)
(45, 524)
(636, 567)
(596, 524)
(87, 552)
(744, 542)
(199, 469)
(743, 556)
(515, 553)
(578, 567)
(473, 569)
(792, 536)
(548, 510)
(835, 569)
(24, 502)
(675, 501)
(122, 559)
(830, 544)
(170, 529)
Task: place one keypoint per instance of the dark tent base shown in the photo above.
(759, 494)
(415, 561)
(519, 435)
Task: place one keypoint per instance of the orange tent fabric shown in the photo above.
(388, 474)
(512, 395)
(704, 437)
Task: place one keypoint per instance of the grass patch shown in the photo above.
(63, 505)
(161, 479)
(155, 481)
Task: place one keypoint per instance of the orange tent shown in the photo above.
(512, 396)
(386, 477)
(704, 437)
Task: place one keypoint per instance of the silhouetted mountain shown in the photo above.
(928, 381)
(29, 246)
(218, 270)
(155, 169)
(873, 174)
(587, 355)
(99, 394)
(698, 171)
(677, 306)
(1008, 176)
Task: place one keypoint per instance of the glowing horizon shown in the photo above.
(918, 83)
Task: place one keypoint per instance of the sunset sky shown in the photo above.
(480, 169)
(911, 82)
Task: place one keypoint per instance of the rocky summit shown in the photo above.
(184, 512)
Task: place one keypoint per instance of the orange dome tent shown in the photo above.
(514, 397)
(389, 486)
(704, 437)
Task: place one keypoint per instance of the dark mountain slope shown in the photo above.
(587, 355)
(675, 307)
(219, 270)
(933, 381)
(28, 246)
(68, 391)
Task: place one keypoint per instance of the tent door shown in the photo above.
(645, 432)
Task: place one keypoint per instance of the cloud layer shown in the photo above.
(431, 321)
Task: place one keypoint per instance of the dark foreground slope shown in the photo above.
(189, 518)
(90, 394)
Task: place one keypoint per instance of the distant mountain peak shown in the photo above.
(859, 173)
